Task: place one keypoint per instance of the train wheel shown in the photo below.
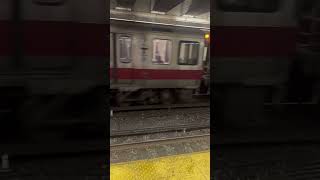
(185, 95)
(167, 97)
(152, 100)
(150, 97)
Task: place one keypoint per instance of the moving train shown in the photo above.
(264, 52)
(259, 48)
(152, 64)
(52, 59)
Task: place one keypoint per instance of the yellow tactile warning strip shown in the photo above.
(194, 166)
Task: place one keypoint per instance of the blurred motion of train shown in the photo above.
(52, 59)
(259, 49)
(157, 64)
(53, 52)
(264, 52)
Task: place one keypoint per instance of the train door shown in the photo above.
(122, 63)
(160, 62)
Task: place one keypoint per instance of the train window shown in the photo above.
(125, 47)
(188, 53)
(162, 50)
(248, 5)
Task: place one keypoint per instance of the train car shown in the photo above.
(155, 64)
(253, 48)
(50, 52)
(259, 49)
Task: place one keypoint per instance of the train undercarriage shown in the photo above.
(164, 96)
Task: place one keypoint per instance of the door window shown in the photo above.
(162, 50)
(125, 47)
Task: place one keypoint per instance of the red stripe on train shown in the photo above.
(56, 39)
(155, 74)
(229, 41)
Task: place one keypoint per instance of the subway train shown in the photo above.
(265, 52)
(52, 59)
(259, 48)
(157, 65)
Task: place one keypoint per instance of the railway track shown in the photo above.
(310, 170)
(159, 121)
(153, 130)
(155, 107)
(163, 141)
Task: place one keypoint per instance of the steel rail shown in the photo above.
(154, 130)
(162, 141)
(150, 107)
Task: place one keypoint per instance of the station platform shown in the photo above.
(193, 166)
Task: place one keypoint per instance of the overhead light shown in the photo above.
(123, 8)
(158, 12)
(186, 15)
(205, 30)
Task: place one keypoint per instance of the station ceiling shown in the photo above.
(173, 7)
(193, 12)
